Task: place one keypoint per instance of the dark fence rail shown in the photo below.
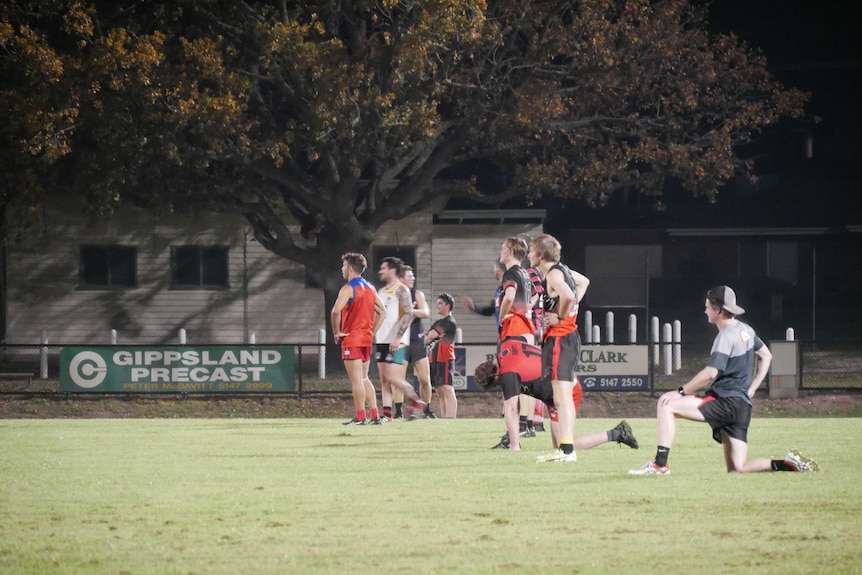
(826, 366)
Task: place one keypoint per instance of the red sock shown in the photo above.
(374, 413)
(360, 414)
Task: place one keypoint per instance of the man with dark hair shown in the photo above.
(442, 337)
(518, 370)
(727, 405)
(416, 353)
(355, 316)
(392, 339)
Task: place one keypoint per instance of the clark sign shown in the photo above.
(176, 369)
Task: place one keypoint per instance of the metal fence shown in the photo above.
(825, 366)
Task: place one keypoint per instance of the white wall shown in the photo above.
(44, 291)
(464, 256)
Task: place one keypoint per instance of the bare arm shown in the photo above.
(431, 336)
(557, 287)
(701, 379)
(764, 357)
(582, 282)
(420, 306)
(406, 306)
(506, 301)
(344, 295)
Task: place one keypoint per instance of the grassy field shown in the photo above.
(212, 496)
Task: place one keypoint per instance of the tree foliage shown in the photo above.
(348, 114)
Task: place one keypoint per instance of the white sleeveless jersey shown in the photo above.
(389, 328)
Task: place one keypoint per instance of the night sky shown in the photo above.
(817, 48)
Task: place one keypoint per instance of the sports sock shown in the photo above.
(661, 455)
(522, 423)
(387, 411)
(566, 445)
(360, 414)
(398, 410)
(780, 465)
(375, 414)
(613, 435)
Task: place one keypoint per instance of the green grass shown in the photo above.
(216, 496)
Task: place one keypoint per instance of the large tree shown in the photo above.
(342, 115)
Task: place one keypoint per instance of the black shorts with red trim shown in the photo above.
(729, 416)
(441, 373)
(560, 356)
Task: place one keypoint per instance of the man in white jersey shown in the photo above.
(727, 405)
(392, 338)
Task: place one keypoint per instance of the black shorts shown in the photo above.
(727, 416)
(415, 352)
(441, 373)
(541, 389)
(383, 355)
(560, 357)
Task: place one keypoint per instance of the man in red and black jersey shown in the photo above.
(561, 346)
(442, 355)
(516, 318)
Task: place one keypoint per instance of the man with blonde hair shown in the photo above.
(561, 348)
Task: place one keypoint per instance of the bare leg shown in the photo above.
(590, 440)
(565, 409)
(423, 373)
(370, 392)
(735, 453)
(448, 401)
(354, 372)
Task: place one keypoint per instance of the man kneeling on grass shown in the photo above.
(727, 406)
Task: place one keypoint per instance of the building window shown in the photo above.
(197, 267)
(104, 267)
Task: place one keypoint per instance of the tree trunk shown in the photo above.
(325, 272)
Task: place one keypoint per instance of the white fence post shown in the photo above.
(252, 338)
(666, 349)
(609, 327)
(459, 335)
(588, 326)
(597, 334)
(43, 356)
(113, 337)
(677, 345)
(182, 336)
(321, 358)
(633, 328)
(789, 335)
(655, 339)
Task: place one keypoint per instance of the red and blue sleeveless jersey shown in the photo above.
(357, 317)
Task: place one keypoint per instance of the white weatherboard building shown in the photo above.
(148, 277)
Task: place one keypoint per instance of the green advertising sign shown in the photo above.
(177, 369)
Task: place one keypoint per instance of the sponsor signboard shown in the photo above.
(177, 369)
(601, 367)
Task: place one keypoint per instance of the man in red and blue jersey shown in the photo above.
(355, 316)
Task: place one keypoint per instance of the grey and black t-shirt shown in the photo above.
(733, 356)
